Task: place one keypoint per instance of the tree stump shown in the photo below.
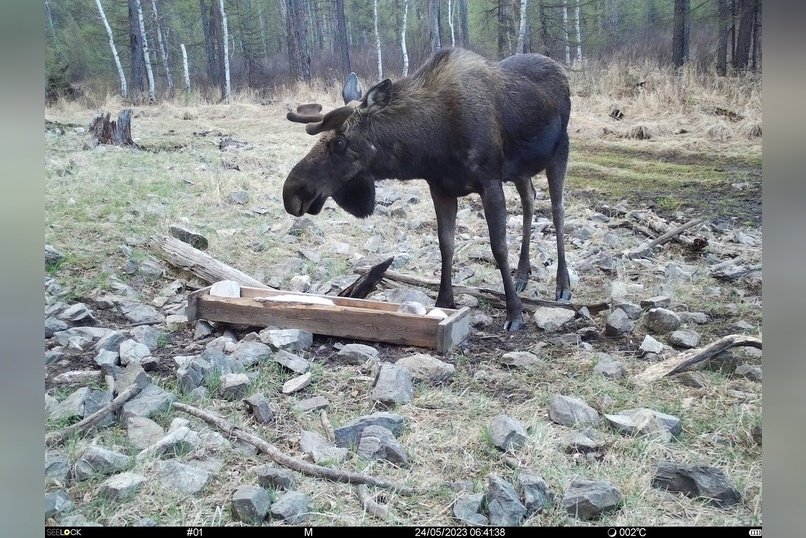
(117, 133)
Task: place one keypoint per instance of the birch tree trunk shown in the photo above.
(50, 22)
(161, 45)
(225, 89)
(136, 61)
(185, 66)
(403, 38)
(521, 28)
(565, 33)
(578, 59)
(149, 73)
(451, 5)
(377, 39)
(124, 91)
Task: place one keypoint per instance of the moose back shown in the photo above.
(464, 125)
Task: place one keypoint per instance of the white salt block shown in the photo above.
(412, 307)
(436, 313)
(306, 299)
(225, 288)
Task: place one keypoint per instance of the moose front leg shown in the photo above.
(492, 197)
(445, 207)
(526, 191)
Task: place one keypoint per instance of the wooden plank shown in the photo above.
(192, 310)
(453, 330)
(342, 321)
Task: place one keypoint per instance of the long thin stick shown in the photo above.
(369, 504)
(275, 454)
(665, 238)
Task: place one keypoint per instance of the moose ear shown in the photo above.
(352, 89)
(379, 95)
(332, 120)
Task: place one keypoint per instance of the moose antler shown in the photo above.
(316, 122)
(307, 113)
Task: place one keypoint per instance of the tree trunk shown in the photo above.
(722, 40)
(185, 66)
(124, 91)
(680, 35)
(504, 29)
(342, 45)
(757, 36)
(163, 50)
(377, 39)
(299, 59)
(403, 38)
(732, 31)
(50, 22)
(578, 59)
(521, 27)
(209, 44)
(451, 5)
(225, 93)
(118, 133)
(565, 34)
(138, 64)
(263, 36)
(149, 73)
(433, 25)
(463, 23)
(745, 34)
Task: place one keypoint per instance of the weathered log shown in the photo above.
(685, 360)
(202, 265)
(117, 133)
(645, 249)
(660, 226)
(367, 282)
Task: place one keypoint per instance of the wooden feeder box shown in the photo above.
(358, 319)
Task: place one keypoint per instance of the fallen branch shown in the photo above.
(367, 282)
(644, 250)
(199, 263)
(54, 438)
(279, 457)
(660, 226)
(371, 506)
(495, 298)
(685, 360)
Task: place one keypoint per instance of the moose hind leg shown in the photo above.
(445, 207)
(496, 215)
(555, 172)
(527, 193)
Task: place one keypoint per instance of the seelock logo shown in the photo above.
(62, 532)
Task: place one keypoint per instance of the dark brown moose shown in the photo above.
(465, 125)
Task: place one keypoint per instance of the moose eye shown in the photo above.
(338, 145)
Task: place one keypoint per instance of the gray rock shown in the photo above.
(233, 386)
(193, 374)
(295, 363)
(296, 384)
(132, 374)
(311, 404)
(72, 406)
(468, 508)
(534, 491)
(96, 399)
(725, 362)
(132, 351)
(111, 341)
(650, 345)
(697, 481)
(519, 359)
(609, 367)
(749, 371)
(692, 379)
(393, 385)
(222, 344)
(52, 356)
(479, 320)
(56, 502)
(96, 460)
(379, 443)
(660, 320)
(260, 408)
(551, 319)
(140, 313)
(632, 310)
(503, 503)
(570, 411)
(618, 323)
(203, 329)
(304, 225)
(181, 477)
(150, 363)
(81, 335)
(291, 506)
(198, 394)
(148, 336)
(684, 338)
(405, 295)
(179, 441)
(76, 313)
(57, 467)
(287, 339)
(272, 477)
(143, 432)
(150, 401)
(427, 368)
(350, 434)
(658, 301)
(320, 448)
(50, 404)
(699, 318)
(121, 486)
(53, 325)
(507, 433)
(106, 357)
(220, 363)
(586, 499)
(742, 325)
(356, 353)
(250, 504)
(249, 353)
(581, 442)
(188, 235)
(643, 421)
(239, 197)
(52, 255)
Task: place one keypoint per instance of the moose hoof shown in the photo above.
(563, 296)
(520, 284)
(514, 325)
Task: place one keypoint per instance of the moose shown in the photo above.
(465, 125)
